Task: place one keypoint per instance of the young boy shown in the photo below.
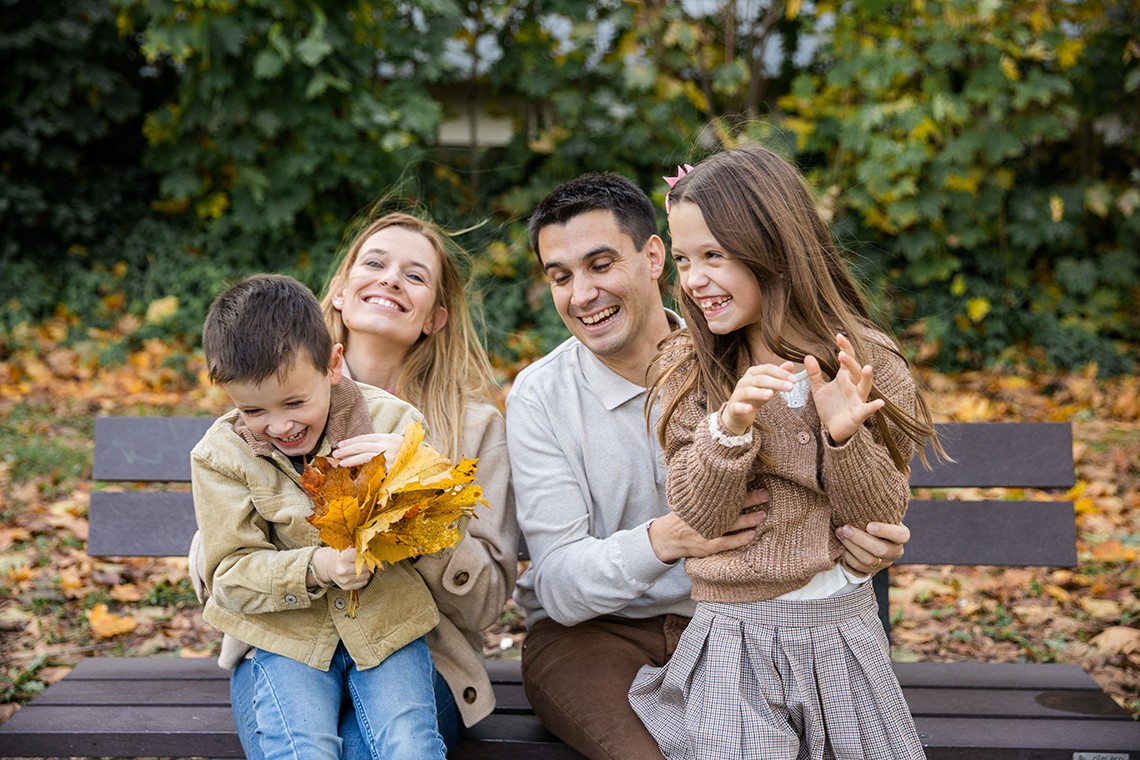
(271, 583)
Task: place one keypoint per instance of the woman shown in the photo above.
(398, 306)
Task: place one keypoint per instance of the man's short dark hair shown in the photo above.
(260, 327)
(599, 191)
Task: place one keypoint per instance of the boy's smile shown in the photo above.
(290, 411)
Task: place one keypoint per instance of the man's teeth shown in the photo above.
(601, 316)
(383, 302)
(714, 303)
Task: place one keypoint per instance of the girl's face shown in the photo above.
(392, 288)
(721, 286)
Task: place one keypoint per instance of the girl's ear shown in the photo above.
(338, 294)
(437, 321)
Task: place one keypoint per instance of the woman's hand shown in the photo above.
(362, 448)
(842, 403)
(339, 569)
(759, 384)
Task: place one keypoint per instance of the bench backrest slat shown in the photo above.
(1022, 533)
(146, 448)
(1000, 455)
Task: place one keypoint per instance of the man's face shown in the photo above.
(290, 413)
(604, 288)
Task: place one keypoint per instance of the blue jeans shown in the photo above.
(284, 708)
(353, 748)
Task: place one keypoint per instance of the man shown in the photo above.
(606, 591)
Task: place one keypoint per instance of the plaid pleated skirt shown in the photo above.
(780, 679)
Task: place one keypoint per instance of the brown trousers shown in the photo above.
(577, 678)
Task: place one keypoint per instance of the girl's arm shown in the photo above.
(707, 479)
(859, 475)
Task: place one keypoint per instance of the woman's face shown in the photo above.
(391, 290)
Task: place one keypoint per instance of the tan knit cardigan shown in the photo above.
(815, 486)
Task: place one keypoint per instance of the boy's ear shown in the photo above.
(336, 363)
(436, 321)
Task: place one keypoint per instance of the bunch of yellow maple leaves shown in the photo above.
(417, 506)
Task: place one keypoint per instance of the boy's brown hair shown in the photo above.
(260, 327)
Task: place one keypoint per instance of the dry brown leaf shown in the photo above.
(1101, 609)
(415, 507)
(127, 592)
(1117, 639)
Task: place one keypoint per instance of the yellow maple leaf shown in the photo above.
(106, 624)
(417, 506)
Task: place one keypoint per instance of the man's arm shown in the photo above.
(576, 575)
(881, 541)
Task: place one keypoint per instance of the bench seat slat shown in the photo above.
(1023, 739)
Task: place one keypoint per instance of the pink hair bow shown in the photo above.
(681, 172)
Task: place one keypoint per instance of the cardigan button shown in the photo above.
(462, 578)
(290, 599)
(469, 695)
(803, 438)
(339, 603)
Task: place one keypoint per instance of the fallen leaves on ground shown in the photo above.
(50, 589)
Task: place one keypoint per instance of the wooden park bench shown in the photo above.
(172, 707)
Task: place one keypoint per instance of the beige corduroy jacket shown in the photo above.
(470, 583)
(256, 544)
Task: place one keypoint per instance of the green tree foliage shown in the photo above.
(981, 159)
(987, 156)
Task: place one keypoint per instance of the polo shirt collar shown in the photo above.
(613, 389)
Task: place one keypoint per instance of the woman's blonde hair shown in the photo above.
(445, 370)
(758, 206)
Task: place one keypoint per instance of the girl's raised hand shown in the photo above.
(842, 403)
(760, 383)
(362, 448)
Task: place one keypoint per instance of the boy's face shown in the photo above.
(289, 413)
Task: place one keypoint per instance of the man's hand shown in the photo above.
(868, 552)
(672, 539)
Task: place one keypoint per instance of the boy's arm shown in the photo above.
(243, 570)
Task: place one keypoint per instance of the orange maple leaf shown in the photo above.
(417, 506)
(105, 624)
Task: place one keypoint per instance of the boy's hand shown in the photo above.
(759, 384)
(842, 403)
(339, 568)
(362, 448)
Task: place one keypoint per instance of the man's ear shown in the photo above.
(436, 322)
(655, 249)
(336, 363)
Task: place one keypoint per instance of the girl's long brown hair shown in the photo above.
(759, 208)
(445, 370)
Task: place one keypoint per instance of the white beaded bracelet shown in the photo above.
(720, 437)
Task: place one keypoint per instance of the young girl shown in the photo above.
(780, 380)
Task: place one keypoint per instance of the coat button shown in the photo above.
(803, 437)
(462, 578)
(340, 604)
(290, 599)
(469, 695)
